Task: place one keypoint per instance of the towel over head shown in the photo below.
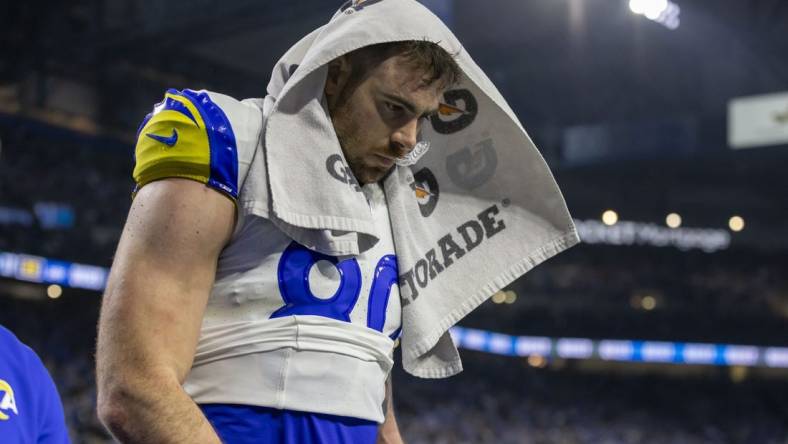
(477, 211)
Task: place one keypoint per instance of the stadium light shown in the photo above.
(738, 373)
(638, 6)
(648, 303)
(663, 12)
(610, 217)
(736, 223)
(54, 291)
(673, 220)
(537, 361)
(655, 8)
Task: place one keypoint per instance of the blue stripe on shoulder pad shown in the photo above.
(224, 150)
(142, 125)
(168, 104)
(174, 105)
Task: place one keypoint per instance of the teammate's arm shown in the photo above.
(389, 432)
(152, 311)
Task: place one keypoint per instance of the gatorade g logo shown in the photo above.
(338, 170)
(426, 188)
(472, 167)
(457, 116)
(7, 401)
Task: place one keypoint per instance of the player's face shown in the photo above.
(381, 117)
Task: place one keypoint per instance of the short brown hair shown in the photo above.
(437, 64)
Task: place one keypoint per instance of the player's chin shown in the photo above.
(373, 173)
(376, 174)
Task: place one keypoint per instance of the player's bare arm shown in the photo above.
(152, 311)
(389, 431)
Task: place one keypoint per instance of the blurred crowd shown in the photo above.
(736, 296)
(721, 282)
(93, 176)
(497, 399)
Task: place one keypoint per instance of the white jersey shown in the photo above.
(285, 327)
(289, 328)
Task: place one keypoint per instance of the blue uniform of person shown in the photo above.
(30, 407)
(244, 424)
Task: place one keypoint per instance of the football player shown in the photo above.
(216, 325)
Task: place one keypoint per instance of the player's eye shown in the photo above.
(393, 107)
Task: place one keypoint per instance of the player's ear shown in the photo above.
(338, 75)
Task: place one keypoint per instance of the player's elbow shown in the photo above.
(117, 399)
(130, 397)
(115, 408)
(121, 403)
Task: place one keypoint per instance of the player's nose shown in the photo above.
(404, 139)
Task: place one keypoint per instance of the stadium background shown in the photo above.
(668, 325)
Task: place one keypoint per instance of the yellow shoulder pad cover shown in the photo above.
(173, 143)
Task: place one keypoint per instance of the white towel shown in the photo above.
(479, 210)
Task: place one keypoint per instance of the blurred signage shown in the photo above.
(758, 121)
(638, 233)
(577, 348)
(15, 216)
(658, 139)
(48, 271)
(53, 215)
(626, 350)
(530, 345)
(49, 215)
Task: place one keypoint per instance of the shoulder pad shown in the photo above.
(198, 135)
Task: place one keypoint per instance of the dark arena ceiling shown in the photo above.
(99, 65)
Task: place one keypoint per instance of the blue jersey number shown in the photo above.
(293, 274)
